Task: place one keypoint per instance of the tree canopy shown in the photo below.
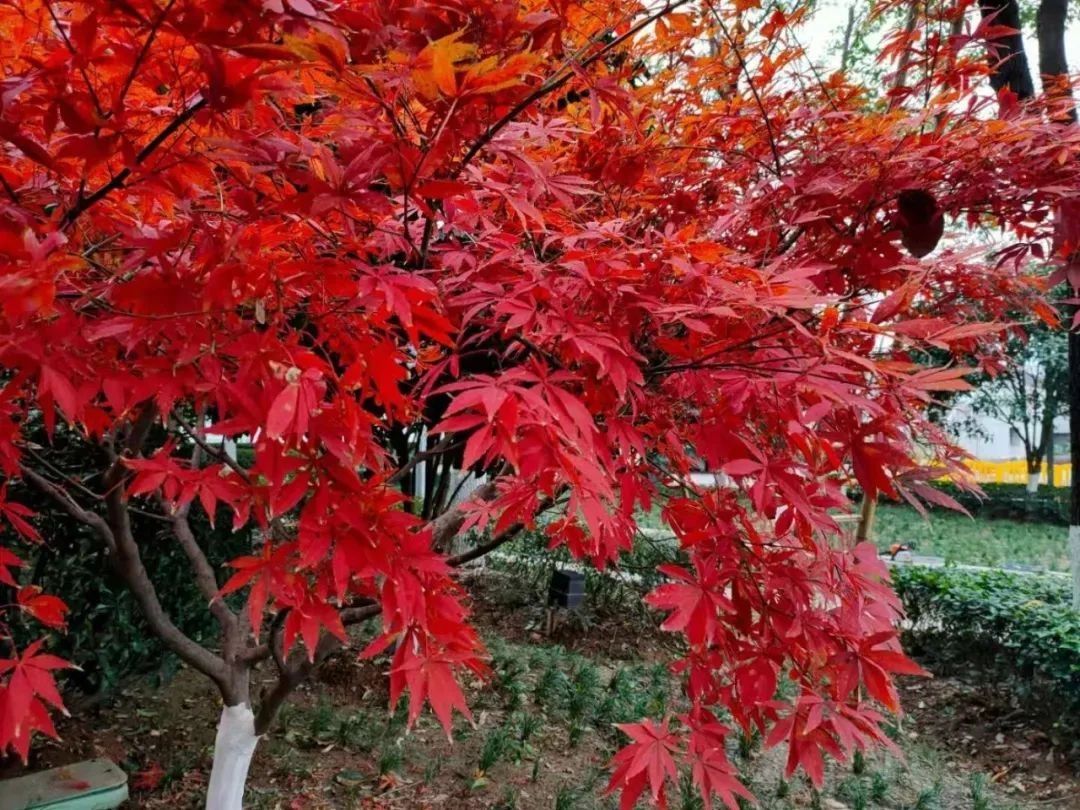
(572, 247)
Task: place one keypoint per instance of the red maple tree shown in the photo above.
(572, 248)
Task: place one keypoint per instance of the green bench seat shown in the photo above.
(97, 784)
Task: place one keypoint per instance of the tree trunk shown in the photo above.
(1050, 464)
(1054, 67)
(865, 531)
(905, 58)
(845, 52)
(1074, 456)
(233, 750)
(1006, 54)
(1033, 482)
(1046, 438)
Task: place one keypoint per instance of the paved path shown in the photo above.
(939, 562)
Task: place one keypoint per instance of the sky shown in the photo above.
(826, 27)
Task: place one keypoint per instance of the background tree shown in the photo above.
(1029, 394)
(530, 243)
(1009, 71)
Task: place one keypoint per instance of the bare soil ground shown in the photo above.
(532, 746)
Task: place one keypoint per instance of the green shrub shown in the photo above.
(1017, 630)
(107, 636)
(1011, 501)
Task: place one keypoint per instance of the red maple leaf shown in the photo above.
(697, 603)
(647, 761)
(49, 610)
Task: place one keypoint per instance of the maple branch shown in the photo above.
(143, 51)
(292, 676)
(750, 81)
(129, 565)
(288, 680)
(124, 551)
(446, 526)
(443, 445)
(389, 110)
(84, 203)
(788, 242)
(357, 614)
(74, 482)
(557, 81)
(209, 449)
(68, 480)
(505, 536)
(82, 68)
(204, 572)
(548, 356)
(353, 614)
(9, 190)
(69, 505)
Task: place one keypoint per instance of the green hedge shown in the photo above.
(1048, 505)
(1017, 630)
(1010, 501)
(107, 636)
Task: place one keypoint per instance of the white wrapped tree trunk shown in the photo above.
(233, 749)
(1033, 483)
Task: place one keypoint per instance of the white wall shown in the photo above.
(998, 444)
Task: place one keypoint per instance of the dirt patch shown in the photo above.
(620, 630)
(980, 727)
(542, 734)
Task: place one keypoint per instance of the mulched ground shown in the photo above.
(980, 727)
(163, 736)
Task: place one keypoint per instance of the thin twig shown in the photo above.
(82, 69)
(557, 81)
(142, 53)
(217, 453)
(444, 445)
(69, 505)
(753, 89)
(83, 204)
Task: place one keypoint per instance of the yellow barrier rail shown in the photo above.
(1015, 472)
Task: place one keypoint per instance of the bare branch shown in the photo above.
(210, 450)
(69, 505)
(84, 203)
(204, 572)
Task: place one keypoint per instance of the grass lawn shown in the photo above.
(961, 539)
(958, 538)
